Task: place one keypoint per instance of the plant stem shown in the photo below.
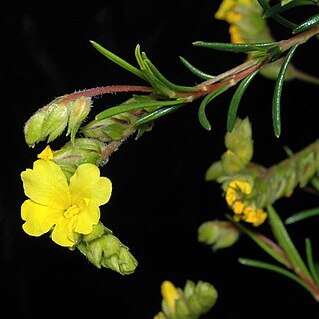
(299, 38)
(106, 90)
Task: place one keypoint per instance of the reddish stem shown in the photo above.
(229, 81)
(106, 90)
(311, 284)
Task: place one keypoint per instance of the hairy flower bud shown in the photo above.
(218, 234)
(82, 150)
(78, 111)
(51, 120)
(32, 128)
(113, 128)
(239, 145)
(103, 249)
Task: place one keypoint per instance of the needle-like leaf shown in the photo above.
(207, 99)
(276, 101)
(234, 103)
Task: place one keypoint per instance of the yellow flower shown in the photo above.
(235, 195)
(242, 186)
(238, 207)
(254, 216)
(245, 19)
(68, 209)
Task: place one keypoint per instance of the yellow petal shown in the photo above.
(46, 154)
(224, 8)
(63, 232)
(89, 216)
(46, 184)
(39, 219)
(170, 294)
(86, 183)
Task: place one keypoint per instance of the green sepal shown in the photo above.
(234, 103)
(309, 23)
(207, 99)
(276, 101)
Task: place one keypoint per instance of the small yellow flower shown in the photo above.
(230, 196)
(236, 192)
(254, 216)
(170, 294)
(238, 207)
(245, 19)
(68, 209)
(242, 186)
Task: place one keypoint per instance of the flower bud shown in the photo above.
(54, 123)
(78, 111)
(32, 128)
(103, 249)
(51, 120)
(239, 145)
(218, 234)
(231, 163)
(82, 150)
(113, 128)
(214, 171)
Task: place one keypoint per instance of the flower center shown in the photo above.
(71, 211)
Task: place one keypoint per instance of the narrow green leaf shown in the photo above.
(271, 251)
(196, 71)
(265, 5)
(134, 106)
(234, 103)
(279, 8)
(274, 268)
(119, 61)
(284, 240)
(310, 261)
(208, 98)
(309, 23)
(276, 101)
(157, 84)
(157, 114)
(239, 47)
(302, 215)
(166, 82)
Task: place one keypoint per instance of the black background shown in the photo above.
(159, 194)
